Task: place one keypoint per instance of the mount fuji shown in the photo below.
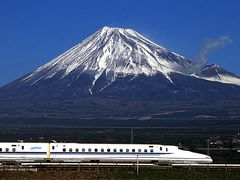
(118, 72)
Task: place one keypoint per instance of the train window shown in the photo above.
(145, 150)
(7, 149)
(76, 149)
(108, 150)
(121, 150)
(114, 150)
(127, 150)
(166, 149)
(13, 149)
(83, 150)
(64, 149)
(139, 150)
(70, 149)
(0, 149)
(133, 150)
(160, 148)
(53, 147)
(102, 150)
(151, 150)
(14, 145)
(96, 150)
(89, 150)
(22, 147)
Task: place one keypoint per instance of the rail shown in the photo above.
(89, 166)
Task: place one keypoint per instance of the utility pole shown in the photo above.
(208, 150)
(137, 165)
(131, 141)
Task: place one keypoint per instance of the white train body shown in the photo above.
(76, 152)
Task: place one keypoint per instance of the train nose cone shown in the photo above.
(209, 159)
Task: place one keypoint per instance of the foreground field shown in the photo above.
(126, 174)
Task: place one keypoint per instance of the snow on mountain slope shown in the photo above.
(216, 73)
(117, 52)
(225, 79)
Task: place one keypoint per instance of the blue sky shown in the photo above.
(32, 32)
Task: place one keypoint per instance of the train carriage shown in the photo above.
(79, 152)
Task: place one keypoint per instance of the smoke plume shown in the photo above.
(207, 48)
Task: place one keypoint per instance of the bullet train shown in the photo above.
(78, 152)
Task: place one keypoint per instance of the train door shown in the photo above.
(53, 150)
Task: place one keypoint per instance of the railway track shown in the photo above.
(90, 166)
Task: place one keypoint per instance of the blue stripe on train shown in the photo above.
(106, 153)
(23, 152)
(112, 153)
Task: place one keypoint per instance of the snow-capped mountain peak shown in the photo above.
(216, 73)
(118, 52)
(115, 52)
